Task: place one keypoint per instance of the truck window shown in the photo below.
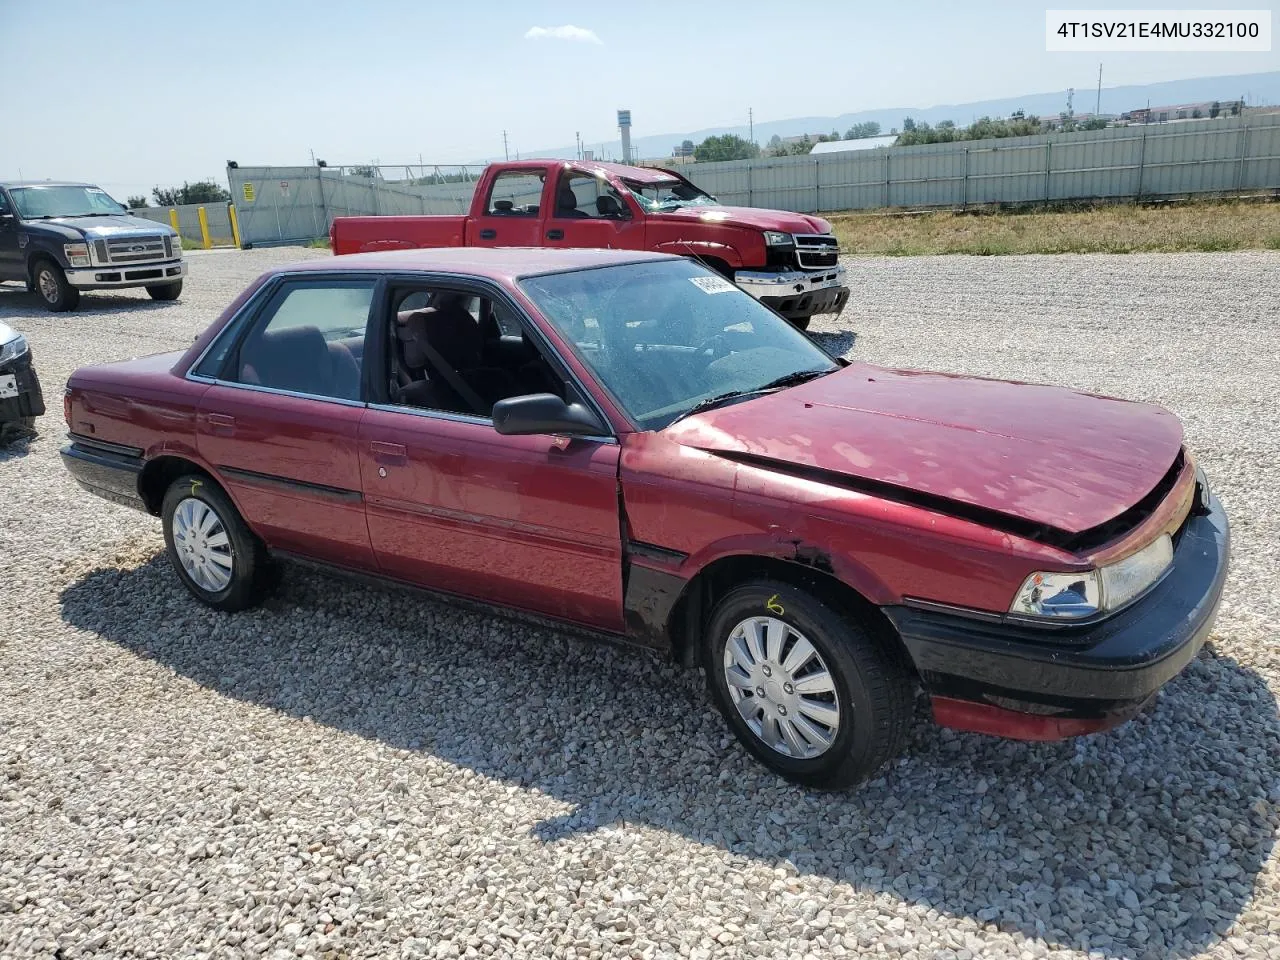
(4, 204)
(515, 194)
(581, 195)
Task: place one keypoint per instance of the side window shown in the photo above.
(581, 195)
(4, 204)
(515, 194)
(462, 354)
(309, 339)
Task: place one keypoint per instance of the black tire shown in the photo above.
(251, 574)
(872, 684)
(800, 323)
(165, 291)
(52, 288)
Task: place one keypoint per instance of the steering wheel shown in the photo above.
(713, 347)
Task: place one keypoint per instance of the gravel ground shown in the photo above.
(349, 772)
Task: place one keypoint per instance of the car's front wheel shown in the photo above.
(165, 291)
(51, 286)
(216, 556)
(811, 693)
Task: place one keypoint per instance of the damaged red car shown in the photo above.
(629, 444)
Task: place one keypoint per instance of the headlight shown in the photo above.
(773, 238)
(176, 242)
(1203, 494)
(77, 254)
(13, 349)
(1075, 595)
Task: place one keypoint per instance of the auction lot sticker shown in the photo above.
(712, 284)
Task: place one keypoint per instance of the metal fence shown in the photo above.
(1226, 155)
(218, 216)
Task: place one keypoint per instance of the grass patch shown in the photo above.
(321, 244)
(1209, 226)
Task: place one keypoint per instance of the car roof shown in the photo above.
(43, 183)
(493, 263)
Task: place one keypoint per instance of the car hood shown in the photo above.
(102, 227)
(753, 217)
(1042, 454)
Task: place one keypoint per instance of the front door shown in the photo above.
(11, 266)
(590, 212)
(512, 213)
(527, 522)
(280, 424)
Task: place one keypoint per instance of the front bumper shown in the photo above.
(20, 393)
(1036, 684)
(127, 275)
(797, 293)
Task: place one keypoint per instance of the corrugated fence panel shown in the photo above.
(284, 204)
(216, 215)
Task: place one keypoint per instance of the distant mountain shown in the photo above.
(1258, 88)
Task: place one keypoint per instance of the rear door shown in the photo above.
(280, 422)
(512, 212)
(588, 211)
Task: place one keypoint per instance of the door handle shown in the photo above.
(556, 234)
(384, 452)
(221, 420)
(488, 233)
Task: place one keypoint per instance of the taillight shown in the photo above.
(66, 406)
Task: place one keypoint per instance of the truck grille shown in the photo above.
(816, 251)
(132, 249)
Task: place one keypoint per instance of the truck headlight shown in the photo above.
(176, 243)
(773, 238)
(77, 254)
(1072, 596)
(13, 348)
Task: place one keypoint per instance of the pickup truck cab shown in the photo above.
(61, 238)
(788, 261)
(625, 443)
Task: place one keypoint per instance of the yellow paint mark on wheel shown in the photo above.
(773, 606)
(195, 485)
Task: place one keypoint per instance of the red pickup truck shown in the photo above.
(788, 261)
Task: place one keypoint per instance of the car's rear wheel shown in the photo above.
(52, 288)
(165, 291)
(812, 694)
(217, 557)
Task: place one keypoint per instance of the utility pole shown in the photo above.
(751, 124)
(578, 137)
(1097, 109)
(505, 154)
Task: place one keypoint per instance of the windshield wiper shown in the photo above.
(791, 379)
(710, 402)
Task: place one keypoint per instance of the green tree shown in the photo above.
(1095, 123)
(725, 147)
(202, 191)
(908, 125)
(860, 131)
(776, 147)
(136, 201)
(1214, 109)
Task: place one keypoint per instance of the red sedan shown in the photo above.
(628, 443)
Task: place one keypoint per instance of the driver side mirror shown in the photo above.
(544, 413)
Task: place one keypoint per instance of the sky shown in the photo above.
(270, 81)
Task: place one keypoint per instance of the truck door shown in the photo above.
(511, 214)
(11, 267)
(588, 211)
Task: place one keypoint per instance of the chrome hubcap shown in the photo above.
(781, 687)
(201, 542)
(48, 285)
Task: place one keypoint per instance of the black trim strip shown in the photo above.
(321, 490)
(1038, 532)
(105, 446)
(650, 551)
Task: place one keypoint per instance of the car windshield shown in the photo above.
(668, 195)
(665, 337)
(37, 203)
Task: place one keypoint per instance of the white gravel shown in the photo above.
(351, 773)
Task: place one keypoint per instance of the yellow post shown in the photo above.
(235, 224)
(204, 228)
(173, 220)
